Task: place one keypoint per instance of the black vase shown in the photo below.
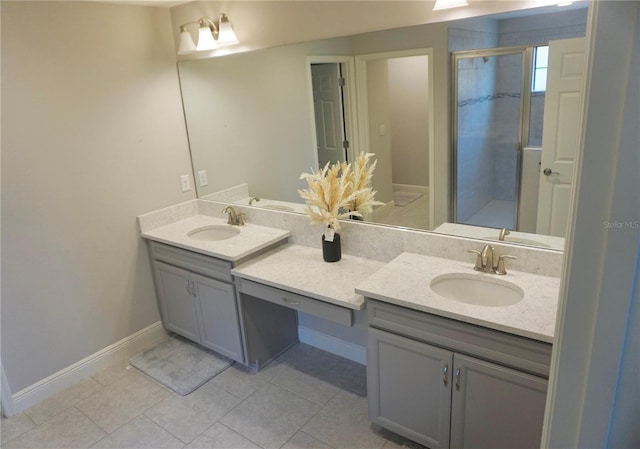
(331, 251)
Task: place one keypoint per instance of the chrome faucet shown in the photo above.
(503, 233)
(488, 261)
(252, 199)
(235, 218)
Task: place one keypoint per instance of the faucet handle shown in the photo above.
(500, 269)
(240, 220)
(478, 266)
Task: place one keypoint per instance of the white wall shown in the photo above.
(380, 115)
(92, 135)
(409, 100)
(265, 23)
(249, 117)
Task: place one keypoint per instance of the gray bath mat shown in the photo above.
(180, 365)
(402, 198)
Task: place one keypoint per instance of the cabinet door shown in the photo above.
(495, 407)
(219, 323)
(179, 313)
(409, 388)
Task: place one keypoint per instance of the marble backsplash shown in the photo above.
(366, 240)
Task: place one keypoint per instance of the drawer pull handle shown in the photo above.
(458, 379)
(289, 301)
(445, 378)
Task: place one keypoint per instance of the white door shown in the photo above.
(562, 118)
(327, 103)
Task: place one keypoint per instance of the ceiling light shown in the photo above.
(446, 4)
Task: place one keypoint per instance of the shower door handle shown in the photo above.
(549, 172)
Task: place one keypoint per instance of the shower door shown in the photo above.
(490, 123)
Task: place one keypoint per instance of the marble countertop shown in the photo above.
(405, 281)
(252, 238)
(301, 269)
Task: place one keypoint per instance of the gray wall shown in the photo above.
(92, 135)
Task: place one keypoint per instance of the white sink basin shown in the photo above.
(477, 290)
(214, 232)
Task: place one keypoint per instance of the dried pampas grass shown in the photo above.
(339, 191)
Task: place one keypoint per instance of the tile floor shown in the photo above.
(413, 215)
(307, 398)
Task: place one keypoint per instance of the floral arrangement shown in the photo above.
(339, 191)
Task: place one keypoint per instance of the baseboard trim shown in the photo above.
(128, 346)
(342, 348)
(411, 188)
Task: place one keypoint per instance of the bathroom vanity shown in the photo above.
(446, 373)
(445, 368)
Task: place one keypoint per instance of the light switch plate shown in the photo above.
(202, 178)
(184, 182)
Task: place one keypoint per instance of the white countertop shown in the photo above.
(301, 269)
(405, 281)
(252, 237)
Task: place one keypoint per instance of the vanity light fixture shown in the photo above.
(446, 4)
(210, 35)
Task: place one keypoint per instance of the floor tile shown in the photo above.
(188, 416)
(395, 441)
(140, 432)
(270, 416)
(123, 400)
(15, 426)
(69, 429)
(221, 437)
(307, 375)
(318, 375)
(114, 373)
(241, 381)
(63, 400)
(302, 440)
(343, 423)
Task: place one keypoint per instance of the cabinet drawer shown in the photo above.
(509, 350)
(305, 304)
(189, 260)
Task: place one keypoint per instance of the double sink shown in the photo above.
(463, 287)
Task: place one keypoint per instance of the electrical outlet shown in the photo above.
(184, 182)
(202, 178)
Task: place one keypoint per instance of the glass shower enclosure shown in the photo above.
(491, 103)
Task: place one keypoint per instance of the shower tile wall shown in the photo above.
(476, 87)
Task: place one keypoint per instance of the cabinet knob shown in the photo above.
(458, 379)
(445, 377)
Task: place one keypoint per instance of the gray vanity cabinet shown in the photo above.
(495, 407)
(177, 304)
(408, 385)
(444, 383)
(197, 299)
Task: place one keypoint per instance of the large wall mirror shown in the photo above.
(408, 95)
